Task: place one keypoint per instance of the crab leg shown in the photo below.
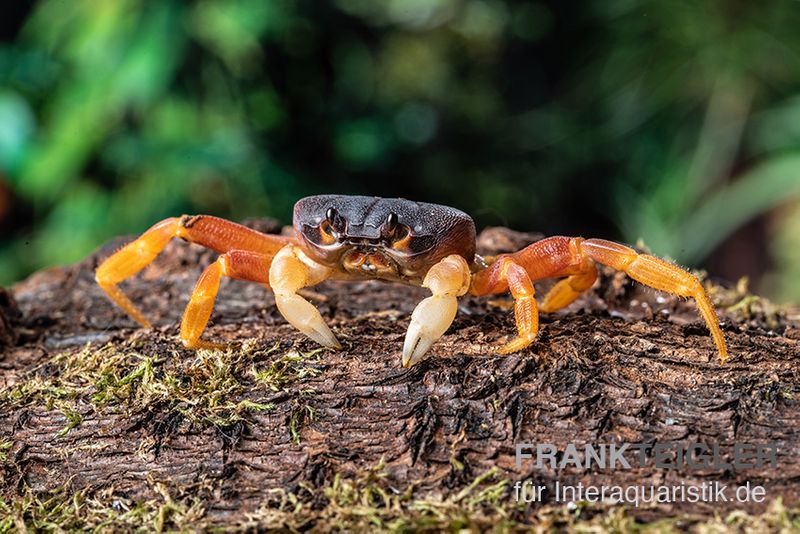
(567, 290)
(574, 258)
(291, 271)
(658, 274)
(448, 279)
(238, 264)
(211, 232)
(508, 275)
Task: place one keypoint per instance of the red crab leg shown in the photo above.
(238, 264)
(506, 274)
(573, 258)
(211, 232)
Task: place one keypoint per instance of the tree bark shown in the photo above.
(622, 364)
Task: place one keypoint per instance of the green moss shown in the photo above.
(288, 369)
(301, 414)
(103, 511)
(73, 420)
(214, 387)
(366, 501)
(369, 502)
(5, 446)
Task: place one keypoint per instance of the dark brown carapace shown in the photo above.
(358, 237)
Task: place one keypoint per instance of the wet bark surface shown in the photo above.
(622, 364)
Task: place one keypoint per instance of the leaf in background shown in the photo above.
(17, 127)
(122, 61)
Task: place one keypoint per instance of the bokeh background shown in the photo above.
(676, 122)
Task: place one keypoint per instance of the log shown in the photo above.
(275, 432)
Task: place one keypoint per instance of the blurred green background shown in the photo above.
(676, 122)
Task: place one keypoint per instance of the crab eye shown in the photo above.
(391, 221)
(335, 221)
(399, 234)
(395, 232)
(390, 227)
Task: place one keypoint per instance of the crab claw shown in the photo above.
(448, 279)
(288, 273)
(431, 318)
(302, 315)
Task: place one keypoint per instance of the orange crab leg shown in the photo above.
(238, 264)
(506, 274)
(575, 257)
(567, 290)
(658, 274)
(211, 232)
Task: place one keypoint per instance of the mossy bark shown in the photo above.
(623, 364)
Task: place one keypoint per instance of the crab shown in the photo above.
(395, 240)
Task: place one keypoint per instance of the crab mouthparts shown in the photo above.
(368, 261)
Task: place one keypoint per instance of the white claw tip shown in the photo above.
(323, 335)
(431, 318)
(416, 346)
(305, 317)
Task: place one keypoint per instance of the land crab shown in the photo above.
(398, 240)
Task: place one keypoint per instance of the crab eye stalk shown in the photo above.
(391, 221)
(390, 227)
(398, 235)
(335, 221)
(328, 230)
